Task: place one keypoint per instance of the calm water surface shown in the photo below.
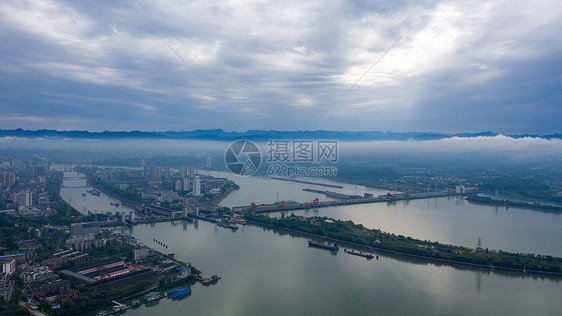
(450, 220)
(268, 272)
(74, 185)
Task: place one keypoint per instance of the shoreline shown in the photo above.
(507, 203)
(398, 253)
(125, 201)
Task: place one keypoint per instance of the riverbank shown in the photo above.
(534, 206)
(112, 192)
(53, 189)
(348, 233)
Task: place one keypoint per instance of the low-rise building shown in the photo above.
(58, 259)
(50, 287)
(37, 274)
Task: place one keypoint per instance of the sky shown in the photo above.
(433, 66)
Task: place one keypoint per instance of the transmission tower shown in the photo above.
(479, 245)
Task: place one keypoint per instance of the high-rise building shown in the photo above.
(191, 172)
(17, 163)
(209, 159)
(24, 198)
(156, 172)
(167, 172)
(178, 185)
(143, 163)
(9, 266)
(459, 189)
(186, 184)
(196, 186)
(183, 172)
(7, 179)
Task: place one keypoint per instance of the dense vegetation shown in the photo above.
(356, 233)
(14, 228)
(11, 309)
(11, 230)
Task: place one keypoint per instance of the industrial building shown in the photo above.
(98, 271)
(79, 229)
(139, 254)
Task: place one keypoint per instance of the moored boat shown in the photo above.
(214, 278)
(227, 225)
(332, 247)
(360, 254)
(152, 296)
(179, 291)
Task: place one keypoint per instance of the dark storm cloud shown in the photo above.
(489, 65)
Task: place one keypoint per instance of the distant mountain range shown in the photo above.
(219, 134)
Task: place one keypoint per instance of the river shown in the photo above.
(450, 220)
(74, 191)
(269, 272)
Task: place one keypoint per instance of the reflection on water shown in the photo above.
(265, 270)
(450, 220)
(453, 220)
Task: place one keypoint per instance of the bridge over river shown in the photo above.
(346, 200)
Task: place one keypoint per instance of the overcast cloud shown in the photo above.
(462, 67)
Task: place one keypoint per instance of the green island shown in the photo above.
(488, 200)
(349, 232)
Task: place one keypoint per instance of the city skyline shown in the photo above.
(434, 66)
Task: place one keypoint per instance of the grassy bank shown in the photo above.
(347, 231)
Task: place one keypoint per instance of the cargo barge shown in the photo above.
(152, 296)
(332, 247)
(227, 225)
(179, 291)
(213, 279)
(360, 254)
